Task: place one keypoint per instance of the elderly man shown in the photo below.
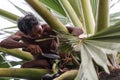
(29, 31)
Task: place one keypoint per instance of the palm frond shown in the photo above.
(54, 5)
(8, 15)
(86, 70)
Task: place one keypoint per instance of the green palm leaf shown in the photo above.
(114, 18)
(98, 55)
(87, 69)
(77, 8)
(54, 5)
(8, 15)
(94, 4)
(92, 48)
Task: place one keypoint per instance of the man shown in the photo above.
(30, 30)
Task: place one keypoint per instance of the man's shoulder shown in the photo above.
(22, 35)
(19, 33)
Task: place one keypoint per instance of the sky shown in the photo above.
(6, 5)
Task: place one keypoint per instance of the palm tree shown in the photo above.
(100, 38)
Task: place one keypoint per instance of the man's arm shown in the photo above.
(13, 41)
(76, 31)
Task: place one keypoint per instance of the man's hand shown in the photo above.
(34, 49)
(77, 31)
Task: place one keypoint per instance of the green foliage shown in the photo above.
(91, 48)
(8, 15)
(114, 18)
(23, 73)
(54, 5)
(18, 53)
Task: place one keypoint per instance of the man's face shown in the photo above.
(36, 32)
